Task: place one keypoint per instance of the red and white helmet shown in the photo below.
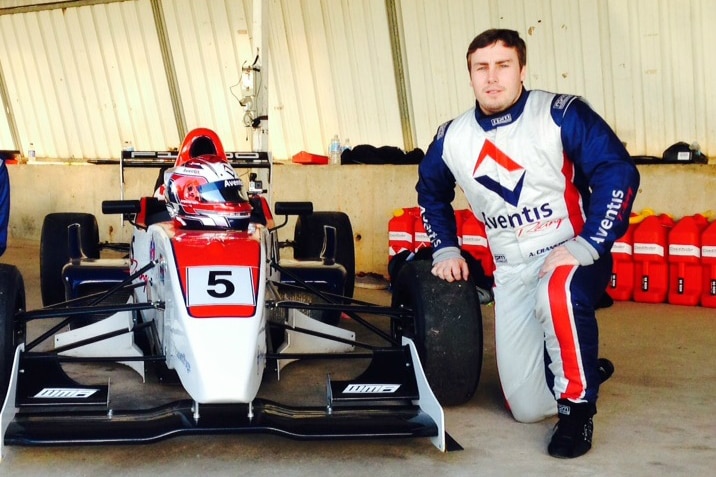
(205, 192)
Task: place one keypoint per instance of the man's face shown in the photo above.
(496, 77)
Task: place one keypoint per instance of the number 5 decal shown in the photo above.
(220, 280)
(223, 285)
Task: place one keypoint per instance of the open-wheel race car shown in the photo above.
(203, 298)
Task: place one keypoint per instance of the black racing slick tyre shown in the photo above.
(12, 332)
(54, 253)
(308, 241)
(446, 328)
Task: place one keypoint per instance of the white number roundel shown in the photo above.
(219, 285)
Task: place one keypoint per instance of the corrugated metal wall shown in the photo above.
(331, 72)
(82, 79)
(643, 64)
(210, 41)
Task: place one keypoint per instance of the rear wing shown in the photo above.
(244, 160)
(258, 164)
(258, 160)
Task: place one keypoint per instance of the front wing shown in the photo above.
(185, 418)
(369, 406)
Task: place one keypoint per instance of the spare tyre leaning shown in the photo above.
(446, 327)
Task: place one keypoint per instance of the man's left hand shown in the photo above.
(556, 258)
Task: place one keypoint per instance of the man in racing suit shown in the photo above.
(554, 187)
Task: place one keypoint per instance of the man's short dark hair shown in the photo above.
(510, 38)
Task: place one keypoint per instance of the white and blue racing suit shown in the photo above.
(546, 172)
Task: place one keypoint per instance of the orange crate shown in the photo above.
(304, 157)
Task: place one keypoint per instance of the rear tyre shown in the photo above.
(446, 329)
(308, 238)
(12, 332)
(54, 250)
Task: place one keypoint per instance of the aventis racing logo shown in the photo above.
(515, 171)
(528, 215)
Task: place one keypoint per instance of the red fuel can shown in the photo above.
(401, 229)
(621, 285)
(420, 237)
(708, 266)
(474, 242)
(460, 216)
(650, 254)
(685, 270)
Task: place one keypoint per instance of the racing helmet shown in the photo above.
(205, 192)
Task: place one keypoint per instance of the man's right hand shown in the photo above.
(451, 270)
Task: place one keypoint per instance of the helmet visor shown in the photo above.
(229, 190)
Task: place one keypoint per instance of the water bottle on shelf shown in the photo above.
(31, 153)
(334, 150)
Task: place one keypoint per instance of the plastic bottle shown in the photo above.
(127, 146)
(334, 150)
(31, 153)
(685, 269)
(346, 145)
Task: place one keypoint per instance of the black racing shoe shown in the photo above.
(606, 369)
(573, 433)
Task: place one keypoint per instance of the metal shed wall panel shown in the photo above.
(83, 79)
(6, 141)
(331, 72)
(210, 41)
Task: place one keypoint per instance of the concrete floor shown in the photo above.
(656, 417)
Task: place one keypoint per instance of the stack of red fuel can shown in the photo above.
(658, 260)
(407, 232)
(662, 260)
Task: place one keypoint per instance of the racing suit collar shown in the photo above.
(493, 121)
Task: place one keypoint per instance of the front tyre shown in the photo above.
(12, 332)
(446, 328)
(308, 238)
(54, 252)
